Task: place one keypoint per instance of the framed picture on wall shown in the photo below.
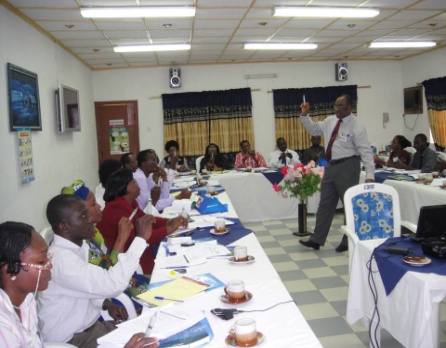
(24, 104)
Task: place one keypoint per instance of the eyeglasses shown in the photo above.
(44, 267)
(339, 106)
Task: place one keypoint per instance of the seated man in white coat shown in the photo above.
(282, 156)
(70, 308)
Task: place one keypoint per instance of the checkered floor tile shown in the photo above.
(318, 282)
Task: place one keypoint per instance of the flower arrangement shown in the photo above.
(300, 181)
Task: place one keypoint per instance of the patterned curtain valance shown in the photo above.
(435, 92)
(208, 105)
(287, 101)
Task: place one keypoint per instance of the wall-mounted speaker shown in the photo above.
(341, 71)
(174, 77)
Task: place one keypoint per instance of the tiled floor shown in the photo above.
(318, 282)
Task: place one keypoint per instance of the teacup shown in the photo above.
(421, 178)
(240, 253)
(193, 171)
(245, 332)
(235, 289)
(428, 178)
(220, 225)
(435, 175)
(203, 182)
(204, 171)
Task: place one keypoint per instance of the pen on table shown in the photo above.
(161, 298)
(133, 214)
(303, 98)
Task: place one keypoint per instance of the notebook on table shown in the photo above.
(431, 223)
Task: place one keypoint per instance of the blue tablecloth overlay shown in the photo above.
(274, 177)
(392, 267)
(236, 232)
(380, 177)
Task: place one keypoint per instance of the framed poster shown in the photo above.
(24, 104)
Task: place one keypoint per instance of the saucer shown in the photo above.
(230, 340)
(250, 260)
(417, 260)
(219, 233)
(225, 298)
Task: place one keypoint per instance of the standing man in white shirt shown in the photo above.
(346, 144)
(282, 156)
(70, 307)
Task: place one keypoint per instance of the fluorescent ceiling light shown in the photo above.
(336, 12)
(279, 46)
(402, 44)
(151, 48)
(260, 76)
(138, 12)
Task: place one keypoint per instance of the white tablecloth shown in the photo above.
(410, 313)
(283, 326)
(413, 196)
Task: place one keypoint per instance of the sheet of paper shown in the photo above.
(178, 289)
(179, 261)
(170, 320)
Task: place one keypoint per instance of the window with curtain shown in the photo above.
(435, 92)
(196, 119)
(287, 110)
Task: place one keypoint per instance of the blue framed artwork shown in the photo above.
(24, 104)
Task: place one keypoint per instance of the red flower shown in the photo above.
(276, 187)
(285, 170)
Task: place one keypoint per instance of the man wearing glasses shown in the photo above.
(156, 186)
(346, 144)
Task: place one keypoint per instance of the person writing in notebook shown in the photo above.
(347, 143)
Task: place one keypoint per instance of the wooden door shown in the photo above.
(117, 128)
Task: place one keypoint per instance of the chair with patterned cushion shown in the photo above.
(372, 211)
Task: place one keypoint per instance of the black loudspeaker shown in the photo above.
(175, 77)
(341, 71)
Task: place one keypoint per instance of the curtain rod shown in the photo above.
(159, 97)
(369, 86)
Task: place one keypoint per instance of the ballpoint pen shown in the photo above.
(152, 323)
(303, 99)
(133, 214)
(161, 298)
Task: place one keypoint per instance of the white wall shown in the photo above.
(416, 70)
(59, 159)
(383, 77)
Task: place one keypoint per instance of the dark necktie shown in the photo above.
(284, 159)
(334, 134)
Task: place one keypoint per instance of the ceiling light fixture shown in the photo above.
(333, 12)
(138, 12)
(279, 46)
(152, 48)
(402, 44)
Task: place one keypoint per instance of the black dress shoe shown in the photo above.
(341, 247)
(309, 244)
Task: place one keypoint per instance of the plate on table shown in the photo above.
(417, 260)
(250, 260)
(219, 233)
(226, 299)
(230, 340)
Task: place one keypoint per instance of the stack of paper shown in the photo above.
(178, 290)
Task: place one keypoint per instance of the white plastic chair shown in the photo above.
(197, 163)
(411, 150)
(441, 155)
(48, 234)
(360, 203)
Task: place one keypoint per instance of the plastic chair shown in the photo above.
(411, 150)
(197, 163)
(48, 234)
(441, 156)
(371, 211)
